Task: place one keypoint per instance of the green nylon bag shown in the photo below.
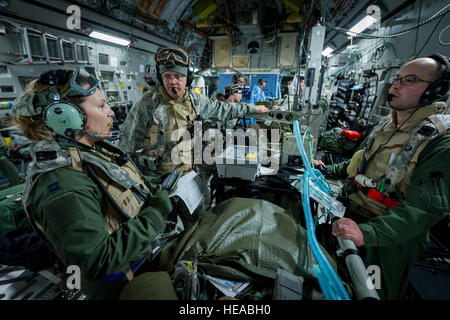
(341, 146)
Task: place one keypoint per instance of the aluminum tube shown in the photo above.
(358, 272)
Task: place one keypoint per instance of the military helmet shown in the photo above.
(170, 56)
(236, 77)
(233, 88)
(174, 59)
(30, 104)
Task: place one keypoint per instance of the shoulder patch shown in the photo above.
(53, 187)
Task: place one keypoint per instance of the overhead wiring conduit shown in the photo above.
(437, 15)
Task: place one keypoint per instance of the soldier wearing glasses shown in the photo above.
(156, 123)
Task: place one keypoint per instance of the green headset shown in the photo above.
(62, 116)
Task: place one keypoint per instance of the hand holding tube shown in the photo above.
(348, 229)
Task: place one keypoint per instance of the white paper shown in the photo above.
(229, 288)
(188, 189)
(141, 68)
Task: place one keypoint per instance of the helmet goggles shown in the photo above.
(171, 56)
(78, 79)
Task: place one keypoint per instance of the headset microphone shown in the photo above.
(113, 134)
(176, 94)
(389, 97)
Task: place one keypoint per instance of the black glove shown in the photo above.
(161, 201)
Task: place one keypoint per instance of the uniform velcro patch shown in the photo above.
(53, 187)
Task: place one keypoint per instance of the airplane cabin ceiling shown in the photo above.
(193, 25)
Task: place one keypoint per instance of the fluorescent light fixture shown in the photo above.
(362, 25)
(327, 51)
(109, 38)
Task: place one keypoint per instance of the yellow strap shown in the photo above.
(76, 161)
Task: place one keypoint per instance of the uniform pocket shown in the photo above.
(61, 211)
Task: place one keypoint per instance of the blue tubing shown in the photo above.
(328, 294)
(317, 175)
(331, 285)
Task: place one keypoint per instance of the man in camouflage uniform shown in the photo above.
(233, 94)
(238, 79)
(398, 185)
(162, 116)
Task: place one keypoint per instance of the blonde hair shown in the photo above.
(34, 127)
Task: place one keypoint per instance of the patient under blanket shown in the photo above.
(246, 240)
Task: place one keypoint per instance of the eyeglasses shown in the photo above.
(407, 80)
(169, 78)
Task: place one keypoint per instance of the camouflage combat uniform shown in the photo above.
(156, 122)
(395, 237)
(78, 220)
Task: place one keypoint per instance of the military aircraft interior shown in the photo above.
(326, 75)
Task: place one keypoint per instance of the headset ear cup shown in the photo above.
(438, 89)
(435, 91)
(158, 75)
(227, 92)
(65, 118)
(190, 74)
